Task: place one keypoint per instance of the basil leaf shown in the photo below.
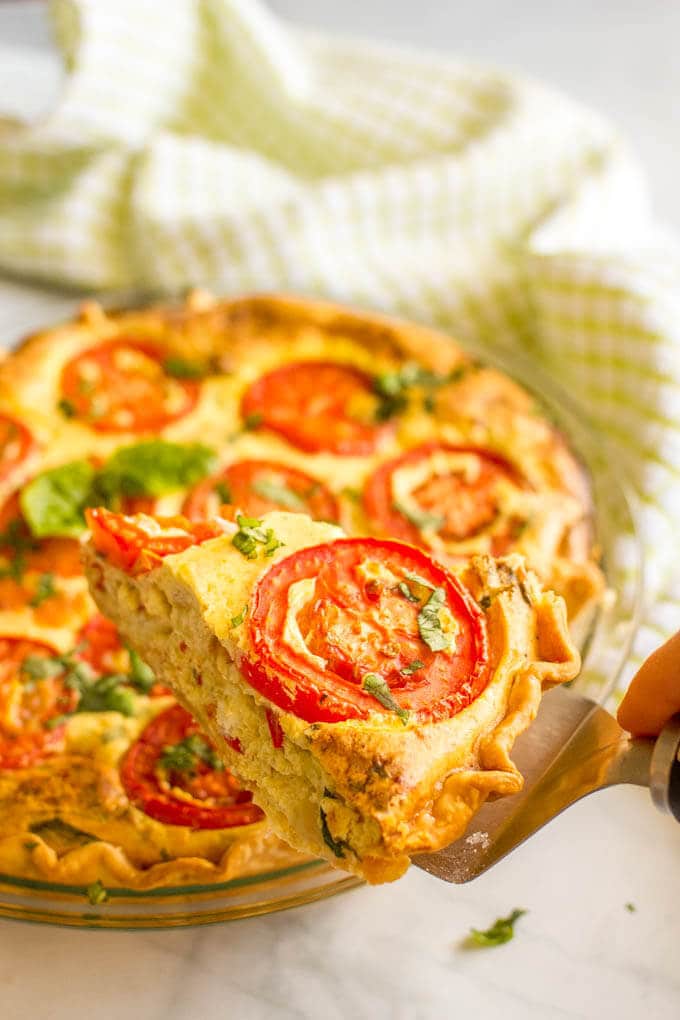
(180, 368)
(236, 621)
(412, 667)
(375, 685)
(53, 503)
(44, 590)
(429, 624)
(222, 491)
(38, 667)
(275, 492)
(17, 540)
(406, 592)
(419, 580)
(96, 893)
(154, 468)
(394, 388)
(185, 755)
(106, 695)
(502, 930)
(252, 534)
(141, 676)
(338, 846)
(422, 520)
(67, 408)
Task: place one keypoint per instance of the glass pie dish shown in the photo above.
(604, 638)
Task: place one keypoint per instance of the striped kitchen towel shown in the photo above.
(204, 142)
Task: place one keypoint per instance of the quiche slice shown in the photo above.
(378, 695)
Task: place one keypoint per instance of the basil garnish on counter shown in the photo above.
(54, 503)
(502, 930)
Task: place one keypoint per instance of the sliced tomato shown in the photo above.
(139, 543)
(121, 386)
(16, 442)
(202, 797)
(454, 505)
(318, 406)
(28, 707)
(357, 616)
(258, 486)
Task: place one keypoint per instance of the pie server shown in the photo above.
(573, 748)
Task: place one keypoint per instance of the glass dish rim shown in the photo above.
(572, 421)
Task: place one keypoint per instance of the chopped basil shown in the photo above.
(352, 494)
(96, 893)
(38, 667)
(375, 685)
(185, 755)
(180, 368)
(223, 491)
(252, 534)
(276, 492)
(105, 693)
(417, 579)
(141, 676)
(485, 602)
(429, 624)
(67, 408)
(44, 590)
(631, 908)
(406, 592)
(412, 667)
(394, 388)
(53, 503)
(236, 621)
(502, 930)
(422, 520)
(16, 540)
(338, 846)
(31, 844)
(252, 421)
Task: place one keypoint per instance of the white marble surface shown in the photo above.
(395, 952)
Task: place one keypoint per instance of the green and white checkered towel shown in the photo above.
(203, 142)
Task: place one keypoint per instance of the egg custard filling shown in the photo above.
(368, 697)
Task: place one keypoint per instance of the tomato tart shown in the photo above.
(219, 409)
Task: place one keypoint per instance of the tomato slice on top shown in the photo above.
(16, 442)
(359, 626)
(121, 386)
(29, 706)
(318, 406)
(438, 495)
(258, 486)
(171, 773)
(139, 543)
